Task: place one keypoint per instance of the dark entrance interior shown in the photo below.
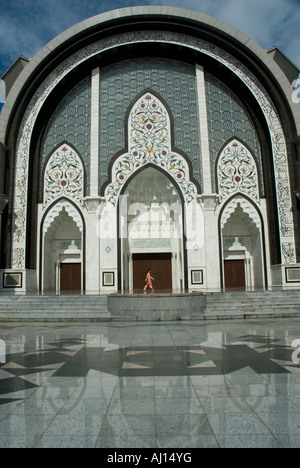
(234, 271)
(161, 269)
(70, 277)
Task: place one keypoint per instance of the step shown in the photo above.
(165, 307)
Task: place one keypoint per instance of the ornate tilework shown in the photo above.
(227, 118)
(120, 84)
(64, 176)
(70, 122)
(279, 149)
(149, 138)
(237, 172)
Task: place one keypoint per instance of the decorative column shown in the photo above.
(3, 198)
(211, 242)
(108, 246)
(297, 146)
(3, 203)
(94, 162)
(3, 152)
(92, 244)
(205, 155)
(93, 201)
(208, 199)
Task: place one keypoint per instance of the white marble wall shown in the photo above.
(99, 229)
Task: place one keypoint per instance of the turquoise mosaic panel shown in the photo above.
(122, 83)
(70, 122)
(227, 118)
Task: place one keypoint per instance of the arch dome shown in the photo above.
(211, 84)
(169, 18)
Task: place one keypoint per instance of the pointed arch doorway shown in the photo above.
(61, 261)
(150, 185)
(151, 220)
(242, 246)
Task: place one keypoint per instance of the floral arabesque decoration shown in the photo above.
(63, 176)
(149, 143)
(237, 172)
(279, 149)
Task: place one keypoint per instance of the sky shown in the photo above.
(27, 25)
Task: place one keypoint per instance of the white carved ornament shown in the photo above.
(63, 176)
(246, 206)
(237, 172)
(279, 149)
(149, 141)
(55, 211)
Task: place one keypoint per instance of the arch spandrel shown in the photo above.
(63, 177)
(149, 143)
(237, 172)
(54, 211)
(279, 149)
(247, 207)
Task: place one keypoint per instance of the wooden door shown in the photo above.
(161, 269)
(70, 277)
(234, 272)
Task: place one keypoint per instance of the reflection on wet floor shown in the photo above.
(159, 385)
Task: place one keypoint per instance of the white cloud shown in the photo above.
(267, 22)
(27, 25)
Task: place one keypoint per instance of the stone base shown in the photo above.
(19, 281)
(286, 276)
(156, 306)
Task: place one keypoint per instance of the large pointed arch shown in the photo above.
(240, 203)
(150, 143)
(246, 205)
(78, 58)
(54, 211)
(62, 206)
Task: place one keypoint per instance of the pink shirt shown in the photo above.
(149, 278)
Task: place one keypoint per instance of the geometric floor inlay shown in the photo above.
(70, 357)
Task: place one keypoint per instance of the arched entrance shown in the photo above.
(242, 246)
(150, 183)
(61, 247)
(151, 216)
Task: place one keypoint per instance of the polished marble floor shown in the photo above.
(156, 385)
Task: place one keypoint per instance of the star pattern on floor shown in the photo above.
(71, 357)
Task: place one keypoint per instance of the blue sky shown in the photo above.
(27, 25)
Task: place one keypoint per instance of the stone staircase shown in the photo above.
(164, 307)
(53, 308)
(254, 304)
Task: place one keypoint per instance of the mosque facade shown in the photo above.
(150, 138)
